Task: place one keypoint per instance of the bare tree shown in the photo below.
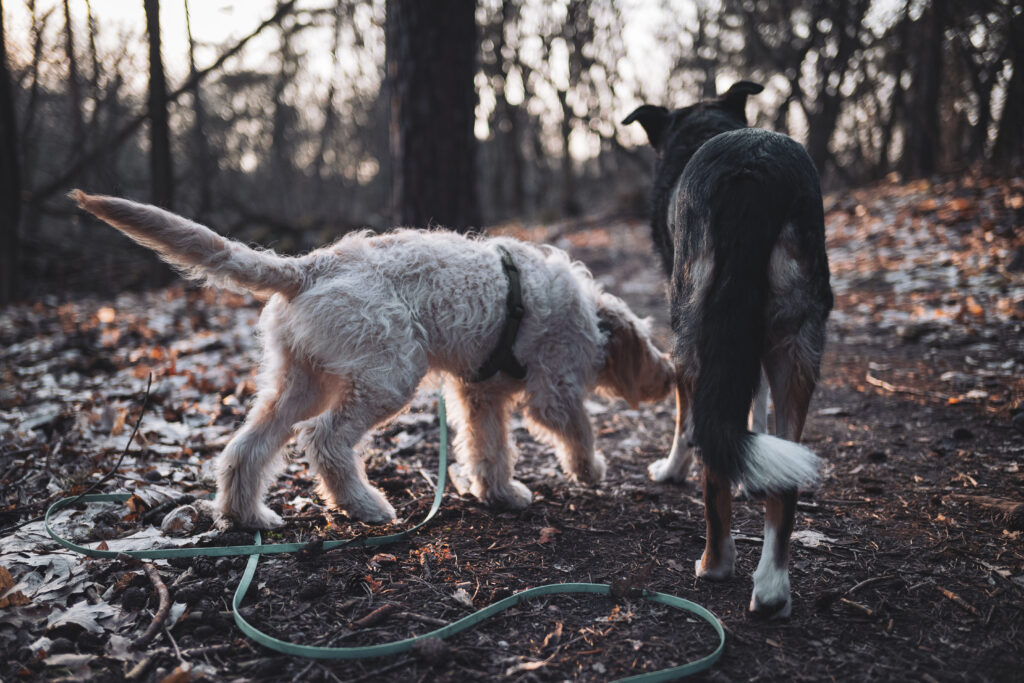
(431, 64)
(10, 180)
(160, 163)
(74, 83)
(204, 157)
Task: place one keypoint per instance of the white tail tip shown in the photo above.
(774, 464)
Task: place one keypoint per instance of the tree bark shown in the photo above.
(204, 163)
(10, 182)
(160, 165)
(74, 91)
(431, 64)
(923, 131)
(1008, 153)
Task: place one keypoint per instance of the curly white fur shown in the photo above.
(351, 329)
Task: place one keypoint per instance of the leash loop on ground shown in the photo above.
(316, 652)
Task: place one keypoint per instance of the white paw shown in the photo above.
(460, 480)
(371, 507)
(662, 471)
(770, 598)
(724, 569)
(512, 496)
(260, 517)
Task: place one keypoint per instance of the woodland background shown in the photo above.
(305, 119)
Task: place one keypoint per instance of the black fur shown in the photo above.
(737, 190)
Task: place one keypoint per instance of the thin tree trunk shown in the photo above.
(1008, 153)
(431, 64)
(74, 92)
(570, 207)
(160, 165)
(204, 157)
(922, 133)
(10, 182)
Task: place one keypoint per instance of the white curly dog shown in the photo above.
(351, 329)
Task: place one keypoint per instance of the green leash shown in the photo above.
(314, 652)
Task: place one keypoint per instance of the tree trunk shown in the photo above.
(204, 166)
(923, 130)
(431, 64)
(570, 207)
(74, 93)
(161, 172)
(1008, 153)
(10, 182)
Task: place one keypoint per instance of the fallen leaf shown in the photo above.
(82, 614)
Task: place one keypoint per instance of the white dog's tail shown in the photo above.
(195, 250)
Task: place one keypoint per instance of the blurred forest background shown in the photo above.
(290, 123)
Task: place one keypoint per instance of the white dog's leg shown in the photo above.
(676, 466)
(244, 466)
(562, 421)
(483, 448)
(329, 443)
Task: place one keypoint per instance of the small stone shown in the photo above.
(134, 598)
(431, 650)
(61, 645)
(204, 632)
(180, 521)
(90, 642)
(963, 434)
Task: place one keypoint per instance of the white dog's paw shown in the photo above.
(664, 471)
(770, 598)
(511, 496)
(725, 568)
(259, 517)
(460, 480)
(371, 507)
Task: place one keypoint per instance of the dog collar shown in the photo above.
(502, 359)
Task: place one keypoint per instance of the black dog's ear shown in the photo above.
(653, 118)
(735, 98)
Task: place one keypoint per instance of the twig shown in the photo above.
(868, 582)
(960, 602)
(892, 388)
(375, 675)
(162, 610)
(432, 621)
(376, 616)
(856, 605)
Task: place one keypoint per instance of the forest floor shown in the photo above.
(907, 563)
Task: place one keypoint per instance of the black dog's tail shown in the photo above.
(195, 250)
(747, 218)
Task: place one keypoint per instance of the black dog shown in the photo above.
(739, 226)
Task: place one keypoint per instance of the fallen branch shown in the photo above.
(162, 610)
(959, 602)
(376, 616)
(856, 605)
(894, 389)
(1009, 512)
